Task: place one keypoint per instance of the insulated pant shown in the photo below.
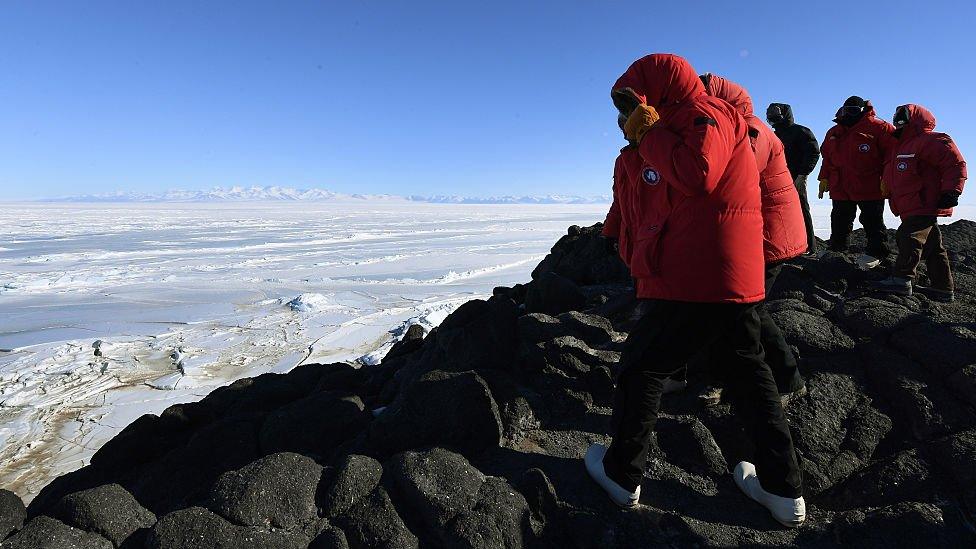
(872, 218)
(800, 182)
(919, 238)
(663, 340)
(779, 354)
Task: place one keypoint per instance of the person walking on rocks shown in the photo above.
(697, 256)
(802, 153)
(784, 231)
(924, 177)
(854, 152)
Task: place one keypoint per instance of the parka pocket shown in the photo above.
(645, 257)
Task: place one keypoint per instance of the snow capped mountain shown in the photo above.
(276, 193)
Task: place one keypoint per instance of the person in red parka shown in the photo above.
(854, 152)
(615, 230)
(924, 175)
(784, 230)
(697, 255)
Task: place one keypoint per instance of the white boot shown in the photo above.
(787, 511)
(594, 466)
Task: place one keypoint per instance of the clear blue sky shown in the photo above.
(471, 98)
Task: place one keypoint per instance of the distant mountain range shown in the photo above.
(219, 194)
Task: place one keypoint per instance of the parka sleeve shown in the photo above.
(809, 150)
(825, 166)
(694, 155)
(942, 152)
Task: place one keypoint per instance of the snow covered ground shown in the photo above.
(184, 298)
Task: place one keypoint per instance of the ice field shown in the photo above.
(181, 298)
(185, 298)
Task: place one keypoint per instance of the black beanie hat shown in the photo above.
(855, 101)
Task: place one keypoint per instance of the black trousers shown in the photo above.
(872, 218)
(800, 182)
(663, 340)
(779, 354)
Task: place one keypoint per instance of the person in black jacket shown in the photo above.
(802, 154)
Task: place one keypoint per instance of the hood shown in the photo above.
(787, 111)
(920, 120)
(728, 91)
(660, 80)
(868, 112)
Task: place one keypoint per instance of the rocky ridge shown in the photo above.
(471, 436)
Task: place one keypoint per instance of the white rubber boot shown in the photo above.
(594, 466)
(787, 511)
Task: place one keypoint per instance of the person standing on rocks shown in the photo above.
(924, 176)
(854, 152)
(697, 256)
(802, 154)
(784, 232)
(615, 229)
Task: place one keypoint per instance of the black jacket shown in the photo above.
(802, 147)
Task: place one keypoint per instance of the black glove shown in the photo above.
(611, 244)
(948, 200)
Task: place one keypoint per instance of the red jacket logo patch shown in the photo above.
(650, 176)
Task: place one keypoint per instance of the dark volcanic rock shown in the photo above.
(457, 503)
(354, 478)
(315, 425)
(553, 294)
(108, 510)
(198, 528)
(455, 410)
(12, 513)
(48, 533)
(413, 340)
(479, 335)
(902, 525)
(481, 425)
(373, 522)
(811, 333)
(330, 538)
(582, 257)
(276, 490)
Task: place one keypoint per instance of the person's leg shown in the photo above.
(842, 214)
(937, 260)
(872, 218)
(910, 239)
(800, 182)
(663, 340)
(779, 354)
(756, 401)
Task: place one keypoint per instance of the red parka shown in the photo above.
(854, 157)
(611, 226)
(784, 233)
(619, 219)
(923, 165)
(697, 231)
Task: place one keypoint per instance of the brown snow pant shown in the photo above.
(919, 238)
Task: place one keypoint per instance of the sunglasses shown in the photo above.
(901, 117)
(850, 110)
(626, 103)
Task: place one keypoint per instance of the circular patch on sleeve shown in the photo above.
(902, 166)
(650, 176)
(864, 147)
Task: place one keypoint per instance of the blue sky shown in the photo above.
(422, 98)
